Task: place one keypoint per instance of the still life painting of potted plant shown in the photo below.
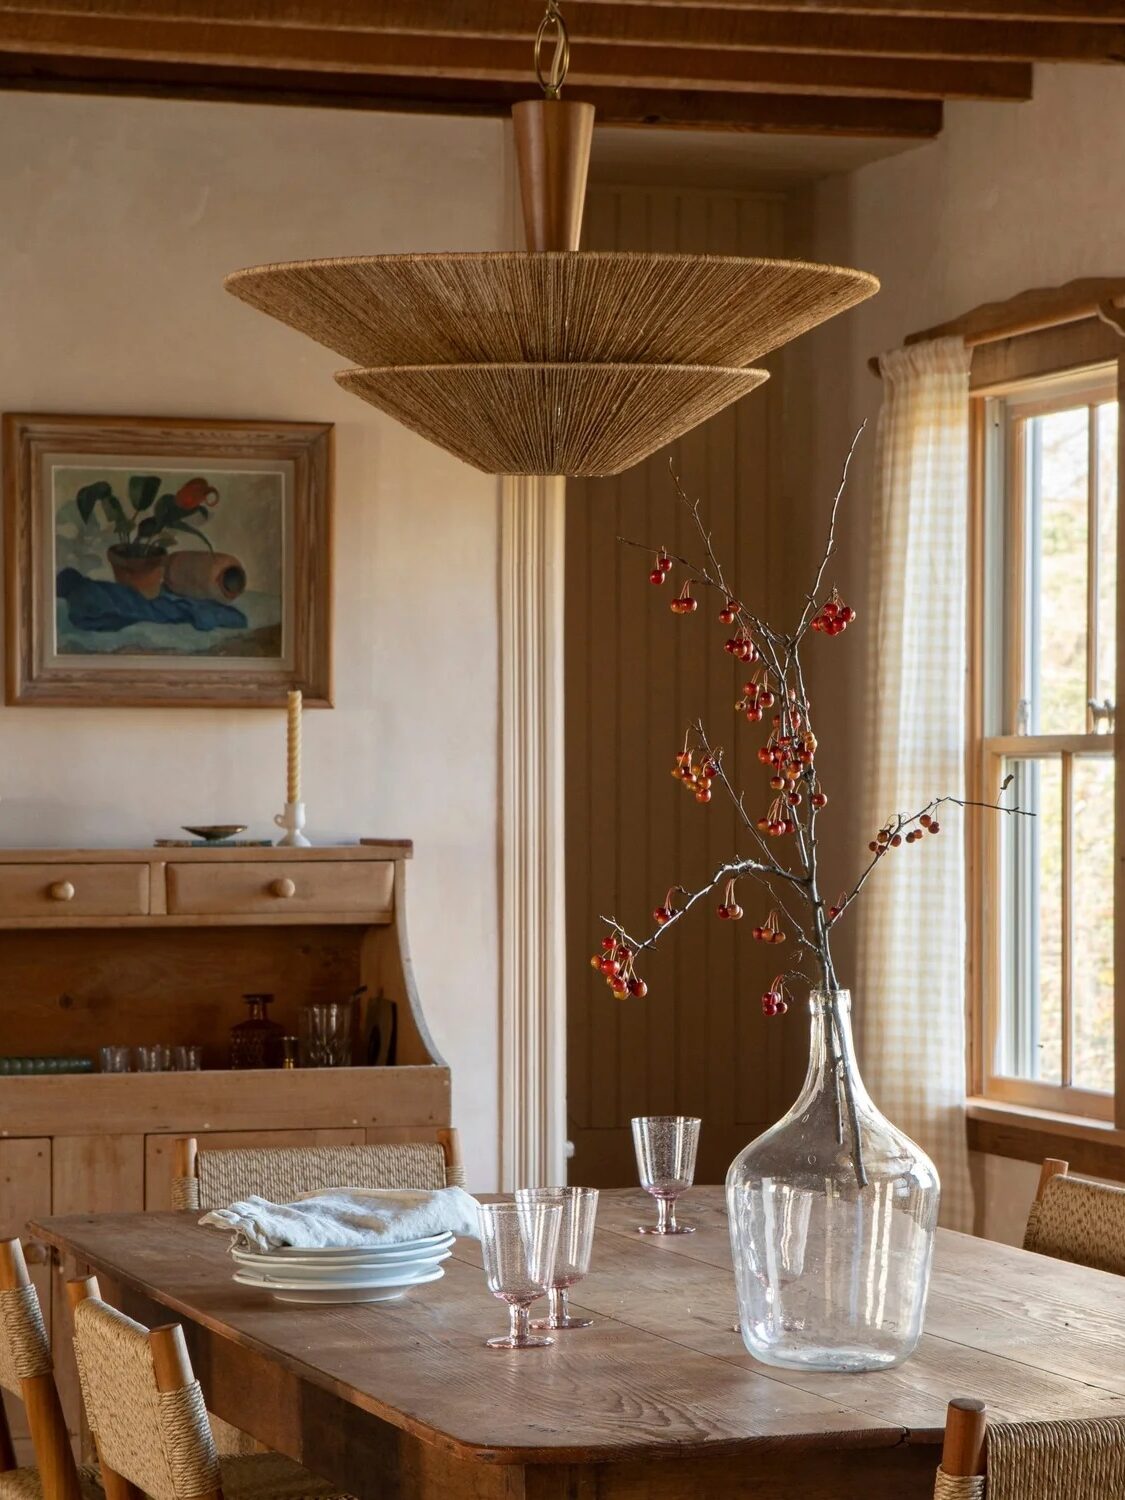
(128, 575)
(166, 561)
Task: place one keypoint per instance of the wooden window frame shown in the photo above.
(1004, 368)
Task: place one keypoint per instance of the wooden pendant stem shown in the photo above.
(553, 150)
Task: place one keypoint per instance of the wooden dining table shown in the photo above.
(659, 1398)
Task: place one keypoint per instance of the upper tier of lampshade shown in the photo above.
(591, 307)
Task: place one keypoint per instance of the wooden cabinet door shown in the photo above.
(90, 1174)
(25, 1193)
(159, 1148)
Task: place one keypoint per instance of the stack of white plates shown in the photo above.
(367, 1274)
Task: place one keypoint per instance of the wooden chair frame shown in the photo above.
(966, 1430)
(58, 1473)
(185, 1154)
(172, 1367)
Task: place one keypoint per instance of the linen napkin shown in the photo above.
(340, 1218)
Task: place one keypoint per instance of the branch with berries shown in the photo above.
(786, 860)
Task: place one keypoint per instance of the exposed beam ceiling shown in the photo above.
(849, 67)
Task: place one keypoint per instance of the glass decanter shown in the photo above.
(832, 1274)
(256, 1042)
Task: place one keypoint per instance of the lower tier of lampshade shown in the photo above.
(578, 420)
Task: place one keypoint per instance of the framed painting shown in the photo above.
(157, 562)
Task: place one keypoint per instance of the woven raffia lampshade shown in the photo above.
(507, 307)
(576, 419)
(555, 360)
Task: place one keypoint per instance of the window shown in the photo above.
(1046, 669)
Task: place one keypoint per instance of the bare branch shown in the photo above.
(830, 544)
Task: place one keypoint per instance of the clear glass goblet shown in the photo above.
(579, 1207)
(666, 1147)
(519, 1241)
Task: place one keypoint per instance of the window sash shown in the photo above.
(1037, 1094)
(997, 683)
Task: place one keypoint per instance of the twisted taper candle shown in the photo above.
(293, 745)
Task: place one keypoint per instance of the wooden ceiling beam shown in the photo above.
(1074, 29)
(970, 10)
(685, 26)
(595, 65)
(801, 114)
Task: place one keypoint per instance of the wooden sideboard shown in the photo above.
(142, 946)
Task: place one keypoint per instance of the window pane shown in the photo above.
(1093, 922)
(1058, 511)
(1029, 1044)
(1107, 552)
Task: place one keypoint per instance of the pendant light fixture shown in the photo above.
(552, 361)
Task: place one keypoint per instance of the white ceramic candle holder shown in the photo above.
(293, 821)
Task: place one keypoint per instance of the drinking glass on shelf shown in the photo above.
(666, 1147)
(326, 1034)
(576, 1240)
(152, 1059)
(186, 1059)
(519, 1241)
(114, 1059)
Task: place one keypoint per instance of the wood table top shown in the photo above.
(662, 1372)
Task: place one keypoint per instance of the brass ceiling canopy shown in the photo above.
(554, 360)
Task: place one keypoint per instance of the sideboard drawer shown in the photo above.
(73, 891)
(361, 888)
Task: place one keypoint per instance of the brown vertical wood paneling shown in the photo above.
(636, 676)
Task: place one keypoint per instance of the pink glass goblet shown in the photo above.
(666, 1147)
(579, 1207)
(518, 1241)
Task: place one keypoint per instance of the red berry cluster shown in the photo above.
(661, 569)
(789, 757)
(730, 612)
(696, 777)
(684, 603)
(662, 915)
(833, 616)
(891, 838)
(729, 911)
(770, 931)
(757, 696)
(741, 647)
(775, 1001)
(777, 820)
(615, 962)
(837, 910)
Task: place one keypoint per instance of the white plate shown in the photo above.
(400, 1277)
(364, 1271)
(362, 1255)
(303, 1293)
(327, 1251)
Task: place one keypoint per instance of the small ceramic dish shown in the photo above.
(212, 832)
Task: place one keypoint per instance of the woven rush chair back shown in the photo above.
(27, 1370)
(1067, 1460)
(1077, 1221)
(24, 1348)
(215, 1179)
(144, 1406)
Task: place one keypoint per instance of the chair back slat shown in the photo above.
(1075, 1459)
(27, 1369)
(158, 1440)
(282, 1173)
(1067, 1460)
(1078, 1221)
(24, 1349)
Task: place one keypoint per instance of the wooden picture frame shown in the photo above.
(129, 583)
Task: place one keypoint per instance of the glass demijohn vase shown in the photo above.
(832, 1274)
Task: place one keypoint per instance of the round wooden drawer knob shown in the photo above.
(61, 890)
(283, 888)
